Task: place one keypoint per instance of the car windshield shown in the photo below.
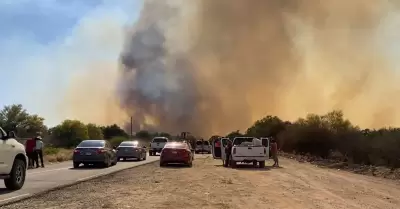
(160, 140)
(91, 143)
(206, 143)
(129, 144)
(176, 145)
(198, 143)
(243, 141)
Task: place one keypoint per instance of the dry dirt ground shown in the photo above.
(209, 185)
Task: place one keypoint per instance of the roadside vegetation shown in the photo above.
(318, 137)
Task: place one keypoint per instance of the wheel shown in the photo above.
(114, 162)
(76, 165)
(262, 164)
(107, 163)
(162, 164)
(190, 164)
(17, 175)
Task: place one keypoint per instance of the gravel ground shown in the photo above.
(209, 185)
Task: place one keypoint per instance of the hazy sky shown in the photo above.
(42, 40)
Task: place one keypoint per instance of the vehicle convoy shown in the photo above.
(13, 161)
(157, 144)
(176, 152)
(94, 152)
(203, 146)
(245, 149)
(131, 149)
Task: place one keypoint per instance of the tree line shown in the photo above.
(330, 136)
(68, 133)
(325, 136)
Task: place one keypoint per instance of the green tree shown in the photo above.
(234, 134)
(16, 118)
(94, 131)
(69, 133)
(113, 131)
(143, 134)
(268, 126)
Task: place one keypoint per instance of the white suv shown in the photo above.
(13, 161)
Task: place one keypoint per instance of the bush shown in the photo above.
(323, 135)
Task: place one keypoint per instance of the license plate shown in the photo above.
(88, 153)
(174, 152)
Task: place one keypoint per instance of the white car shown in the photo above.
(13, 161)
(203, 147)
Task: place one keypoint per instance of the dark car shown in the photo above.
(176, 152)
(131, 149)
(95, 152)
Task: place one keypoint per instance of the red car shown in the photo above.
(176, 152)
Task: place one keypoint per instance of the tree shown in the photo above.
(234, 134)
(113, 131)
(268, 126)
(16, 118)
(94, 131)
(69, 133)
(143, 134)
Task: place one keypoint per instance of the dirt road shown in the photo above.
(209, 185)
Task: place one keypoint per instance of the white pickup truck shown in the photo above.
(13, 161)
(157, 144)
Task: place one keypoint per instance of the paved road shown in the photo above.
(51, 176)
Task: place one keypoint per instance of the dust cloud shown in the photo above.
(210, 67)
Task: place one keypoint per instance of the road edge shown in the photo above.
(17, 200)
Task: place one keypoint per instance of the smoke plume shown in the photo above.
(212, 66)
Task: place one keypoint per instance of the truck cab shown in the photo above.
(13, 161)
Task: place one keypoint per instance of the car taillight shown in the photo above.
(234, 150)
(99, 151)
(76, 151)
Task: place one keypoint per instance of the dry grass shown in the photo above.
(53, 155)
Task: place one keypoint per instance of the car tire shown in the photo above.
(107, 163)
(262, 164)
(76, 165)
(17, 176)
(190, 164)
(162, 164)
(114, 162)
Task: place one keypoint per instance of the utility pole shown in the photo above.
(131, 127)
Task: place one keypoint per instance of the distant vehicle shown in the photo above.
(157, 144)
(13, 161)
(131, 149)
(203, 147)
(95, 152)
(176, 152)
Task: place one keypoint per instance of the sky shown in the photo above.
(43, 41)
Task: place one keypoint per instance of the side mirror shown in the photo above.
(11, 135)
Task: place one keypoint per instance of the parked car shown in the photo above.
(203, 147)
(95, 152)
(13, 161)
(131, 149)
(176, 152)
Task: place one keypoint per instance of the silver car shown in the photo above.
(94, 152)
(131, 149)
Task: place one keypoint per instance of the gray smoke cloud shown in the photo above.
(212, 66)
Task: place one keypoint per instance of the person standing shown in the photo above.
(29, 149)
(274, 151)
(228, 151)
(39, 151)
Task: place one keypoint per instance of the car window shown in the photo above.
(240, 140)
(206, 143)
(129, 144)
(160, 140)
(176, 145)
(92, 143)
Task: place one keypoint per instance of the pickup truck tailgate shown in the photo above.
(249, 151)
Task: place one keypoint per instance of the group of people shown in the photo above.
(273, 149)
(34, 151)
